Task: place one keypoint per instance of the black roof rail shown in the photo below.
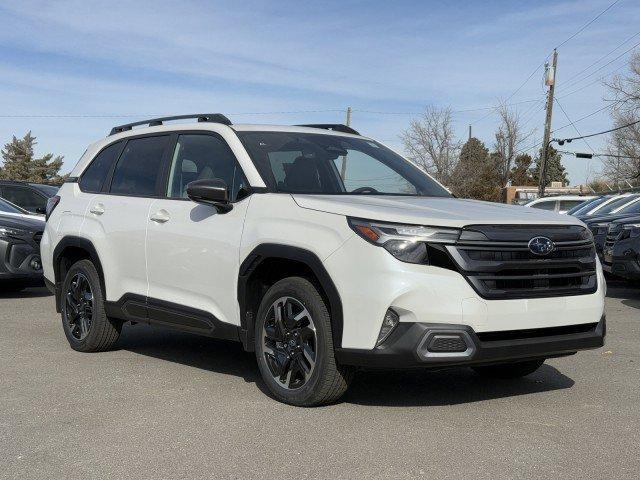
(336, 127)
(154, 122)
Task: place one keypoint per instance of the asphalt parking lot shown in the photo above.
(167, 405)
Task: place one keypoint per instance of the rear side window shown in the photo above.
(138, 169)
(94, 176)
(544, 205)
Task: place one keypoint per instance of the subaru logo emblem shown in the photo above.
(541, 246)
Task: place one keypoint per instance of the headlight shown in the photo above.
(12, 232)
(407, 243)
(633, 229)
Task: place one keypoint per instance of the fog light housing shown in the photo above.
(389, 322)
(36, 263)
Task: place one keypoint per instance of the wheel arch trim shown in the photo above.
(286, 252)
(72, 241)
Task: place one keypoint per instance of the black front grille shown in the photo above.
(500, 268)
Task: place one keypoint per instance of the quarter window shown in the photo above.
(94, 176)
(138, 169)
(202, 157)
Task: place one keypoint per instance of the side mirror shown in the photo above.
(213, 191)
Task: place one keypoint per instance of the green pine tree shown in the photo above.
(477, 174)
(21, 164)
(521, 174)
(555, 170)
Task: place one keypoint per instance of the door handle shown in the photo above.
(161, 216)
(97, 209)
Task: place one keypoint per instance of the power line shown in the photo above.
(572, 123)
(587, 24)
(564, 152)
(601, 58)
(611, 105)
(600, 68)
(602, 133)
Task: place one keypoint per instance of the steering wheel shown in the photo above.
(365, 190)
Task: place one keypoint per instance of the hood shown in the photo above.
(22, 222)
(437, 211)
(628, 219)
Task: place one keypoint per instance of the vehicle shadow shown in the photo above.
(196, 351)
(446, 387)
(629, 293)
(382, 388)
(34, 292)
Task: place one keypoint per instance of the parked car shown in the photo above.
(621, 255)
(30, 196)
(20, 263)
(611, 205)
(316, 247)
(599, 224)
(560, 203)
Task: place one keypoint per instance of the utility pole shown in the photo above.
(550, 80)
(343, 167)
(469, 132)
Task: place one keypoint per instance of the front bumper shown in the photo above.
(20, 263)
(623, 259)
(410, 345)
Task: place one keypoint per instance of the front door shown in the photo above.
(192, 249)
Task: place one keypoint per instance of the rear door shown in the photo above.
(192, 249)
(116, 219)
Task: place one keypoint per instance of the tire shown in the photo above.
(309, 384)
(509, 370)
(100, 333)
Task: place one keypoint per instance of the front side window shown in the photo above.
(204, 157)
(138, 169)
(94, 176)
(329, 164)
(25, 197)
(7, 207)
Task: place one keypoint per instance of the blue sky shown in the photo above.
(133, 59)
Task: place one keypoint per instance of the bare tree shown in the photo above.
(623, 166)
(508, 137)
(430, 143)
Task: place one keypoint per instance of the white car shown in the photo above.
(560, 203)
(317, 248)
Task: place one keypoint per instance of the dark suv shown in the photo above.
(30, 196)
(621, 253)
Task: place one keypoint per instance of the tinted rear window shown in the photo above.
(138, 169)
(94, 176)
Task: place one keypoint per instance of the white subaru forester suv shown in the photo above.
(319, 249)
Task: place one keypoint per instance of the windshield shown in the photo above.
(617, 203)
(631, 208)
(8, 207)
(586, 206)
(329, 164)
